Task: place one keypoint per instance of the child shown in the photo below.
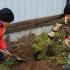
(6, 16)
(62, 25)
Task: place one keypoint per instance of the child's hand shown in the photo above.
(48, 39)
(7, 52)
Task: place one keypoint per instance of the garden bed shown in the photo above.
(23, 48)
(31, 64)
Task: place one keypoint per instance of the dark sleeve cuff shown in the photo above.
(6, 49)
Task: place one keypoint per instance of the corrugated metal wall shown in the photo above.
(30, 9)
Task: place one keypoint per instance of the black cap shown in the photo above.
(6, 15)
(67, 9)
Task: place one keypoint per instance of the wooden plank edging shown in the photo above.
(30, 24)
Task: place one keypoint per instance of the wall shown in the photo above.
(31, 9)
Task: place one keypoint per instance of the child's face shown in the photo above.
(68, 17)
(5, 24)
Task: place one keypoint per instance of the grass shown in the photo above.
(5, 65)
(61, 59)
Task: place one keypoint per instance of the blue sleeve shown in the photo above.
(1, 25)
(6, 48)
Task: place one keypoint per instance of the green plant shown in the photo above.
(63, 61)
(52, 49)
(36, 48)
(42, 40)
(42, 51)
(4, 66)
(58, 35)
(42, 54)
(59, 38)
(39, 46)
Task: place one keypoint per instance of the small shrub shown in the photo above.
(59, 38)
(42, 51)
(36, 48)
(58, 35)
(39, 46)
(52, 49)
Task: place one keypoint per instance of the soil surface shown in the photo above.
(27, 54)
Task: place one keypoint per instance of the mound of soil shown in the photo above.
(27, 54)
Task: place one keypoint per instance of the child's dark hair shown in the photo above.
(67, 9)
(6, 15)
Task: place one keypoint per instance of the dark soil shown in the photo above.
(27, 54)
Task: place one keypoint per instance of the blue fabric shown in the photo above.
(6, 49)
(67, 66)
(1, 25)
(69, 58)
(7, 60)
(1, 57)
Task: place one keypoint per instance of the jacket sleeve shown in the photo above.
(3, 45)
(1, 31)
(56, 28)
(2, 42)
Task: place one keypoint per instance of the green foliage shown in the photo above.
(4, 66)
(42, 54)
(59, 38)
(52, 58)
(39, 46)
(58, 34)
(42, 39)
(51, 43)
(52, 48)
(42, 51)
(44, 36)
(36, 48)
(63, 61)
